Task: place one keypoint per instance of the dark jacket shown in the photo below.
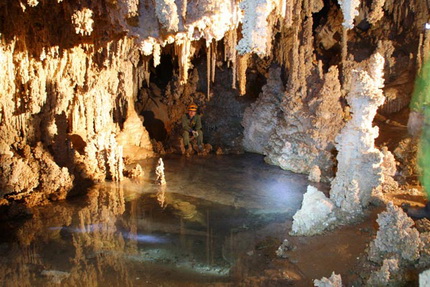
(191, 124)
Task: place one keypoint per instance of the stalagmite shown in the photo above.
(359, 162)
(183, 50)
(315, 215)
(396, 238)
(159, 172)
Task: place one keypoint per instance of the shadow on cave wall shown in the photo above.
(154, 126)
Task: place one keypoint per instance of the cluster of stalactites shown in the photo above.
(257, 17)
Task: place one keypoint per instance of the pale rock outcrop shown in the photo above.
(260, 119)
(424, 279)
(335, 280)
(306, 129)
(396, 237)
(315, 215)
(359, 162)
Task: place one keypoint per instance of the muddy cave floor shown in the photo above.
(217, 222)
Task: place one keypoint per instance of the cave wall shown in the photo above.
(79, 78)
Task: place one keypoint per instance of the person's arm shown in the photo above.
(186, 124)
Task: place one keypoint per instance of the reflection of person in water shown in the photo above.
(419, 125)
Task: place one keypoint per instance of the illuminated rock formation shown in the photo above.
(396, 237)
(299, 142)
(315, 215)
(260, 119)
(359, 162)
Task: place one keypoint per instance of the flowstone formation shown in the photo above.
(261, 118)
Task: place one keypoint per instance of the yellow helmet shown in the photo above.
(192, 107)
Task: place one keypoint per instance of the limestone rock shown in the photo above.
(335, 280)
(305, 131)
(316, 214)
(261, 117)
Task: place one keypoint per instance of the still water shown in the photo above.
(201, 228)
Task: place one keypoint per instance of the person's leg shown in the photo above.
(200, 138)
(186, 138)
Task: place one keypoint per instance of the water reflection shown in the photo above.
(194, 230)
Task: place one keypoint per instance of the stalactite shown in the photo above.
(183, 50)
(241, 73)
(255, 27)
(230, 53)
(214, 59)
(208, 69)
(146, 73)
(377, 11)
(156, 55)
(349, 9)
(419, 52)
(289, 12)
(344, 53)
(184, 10)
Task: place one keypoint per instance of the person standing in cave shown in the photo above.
(192, 127)
(419, 125)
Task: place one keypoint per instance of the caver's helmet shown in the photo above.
(192, 107)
